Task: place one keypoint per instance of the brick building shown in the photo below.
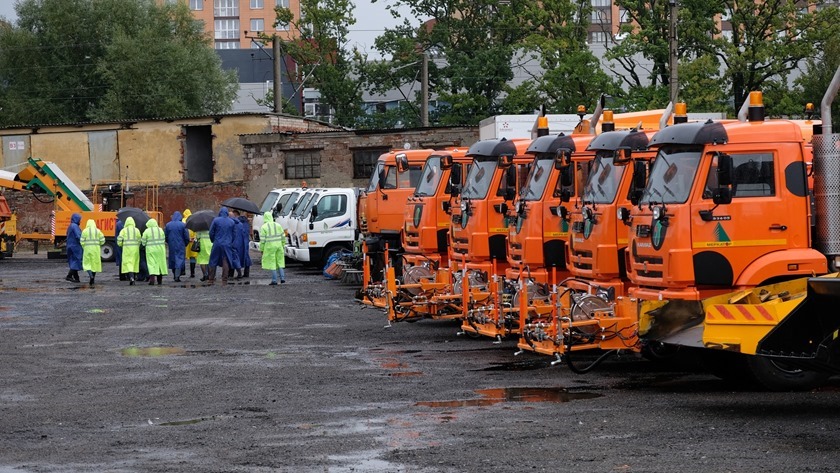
(336, 158)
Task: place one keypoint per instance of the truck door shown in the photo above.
(728, 238)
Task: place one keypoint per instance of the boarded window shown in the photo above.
(304, 164)
(198, 154)
(364, 160)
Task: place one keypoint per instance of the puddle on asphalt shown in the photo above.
(134, 352)
(402, 374)
(186, 422)
(499, 395)
(96, 311)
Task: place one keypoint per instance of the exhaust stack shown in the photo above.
(826, 170)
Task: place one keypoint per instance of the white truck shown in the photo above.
(329, 226)
(318, 221)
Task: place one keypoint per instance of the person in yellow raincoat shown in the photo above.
(203, 255)
(272, 244)
(190, 254)
(155, 242)
(129, 241)
(92, 240)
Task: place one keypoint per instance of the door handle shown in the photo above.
(776, 226)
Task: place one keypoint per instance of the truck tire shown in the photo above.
(775, 375)
(108, 251)
(331, 250)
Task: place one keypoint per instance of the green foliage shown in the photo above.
(321, 55)
(702, 87)
(71, 61)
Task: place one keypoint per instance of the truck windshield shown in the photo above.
(374, 178)
(308, 206)
(304, 201)
(479, 179)
(604, 178)
(537, 179)
(268, 203)
(672, 175)
(290, 202)
(430, 178)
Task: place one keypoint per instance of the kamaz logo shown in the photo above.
(643, 245)
(578, 240)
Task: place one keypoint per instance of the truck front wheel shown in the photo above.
(108, 251)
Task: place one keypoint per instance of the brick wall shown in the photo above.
(264, 154)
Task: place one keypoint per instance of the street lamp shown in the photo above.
(672, 50)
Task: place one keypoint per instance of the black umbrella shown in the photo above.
(244, 205)
(139, 215)
(201, 220)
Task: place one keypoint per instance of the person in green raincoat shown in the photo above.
(154, 239)
(272, 244)
(129, 241)
(202, 258)
(92, 239)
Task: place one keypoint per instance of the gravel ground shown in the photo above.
(299, 378)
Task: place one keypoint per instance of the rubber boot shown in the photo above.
(151, 280)
(160, 279)
(247, 272)
(76, 276)
(92, 279)
(130, 279)
(69, 276)
(178, 273)
(192, 270)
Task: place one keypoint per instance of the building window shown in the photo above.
(623, 15)
(282, 3)
(227, 29)
(303, 164)
(364, 161)
(225, 8)
(601, 15)
(257, 25)
(196, 4)
(257, 4)
(227, 45)
(597, 36)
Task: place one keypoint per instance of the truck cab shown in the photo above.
(598, 236)
(726, 206)
(328, 228)
(295, 220)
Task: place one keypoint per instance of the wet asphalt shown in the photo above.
(300, 378)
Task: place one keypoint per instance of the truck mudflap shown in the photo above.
(809, 337)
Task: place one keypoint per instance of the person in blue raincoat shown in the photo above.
(222, 254)
(237, 245)
(177, 239)
(245, 254)
(74, 248)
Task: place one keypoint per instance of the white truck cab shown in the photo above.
(295, 221)
(327, 227)
(280, 202)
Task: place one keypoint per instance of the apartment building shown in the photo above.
(234, 24)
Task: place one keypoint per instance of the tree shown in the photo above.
(471, 43)
(570, 75)
(321, 55)
(108, 59)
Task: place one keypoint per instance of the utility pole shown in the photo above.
(673, 82)
(278, 74)
(424, 90)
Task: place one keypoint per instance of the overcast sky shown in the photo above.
(371, 21)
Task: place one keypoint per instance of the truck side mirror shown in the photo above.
(722, 195)
(724, 169)
(402, 162)
(314, 214)
(567, 177)
(446, 161)
(622, 156)
(639, 181)
(562, 159)
(505, 160)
